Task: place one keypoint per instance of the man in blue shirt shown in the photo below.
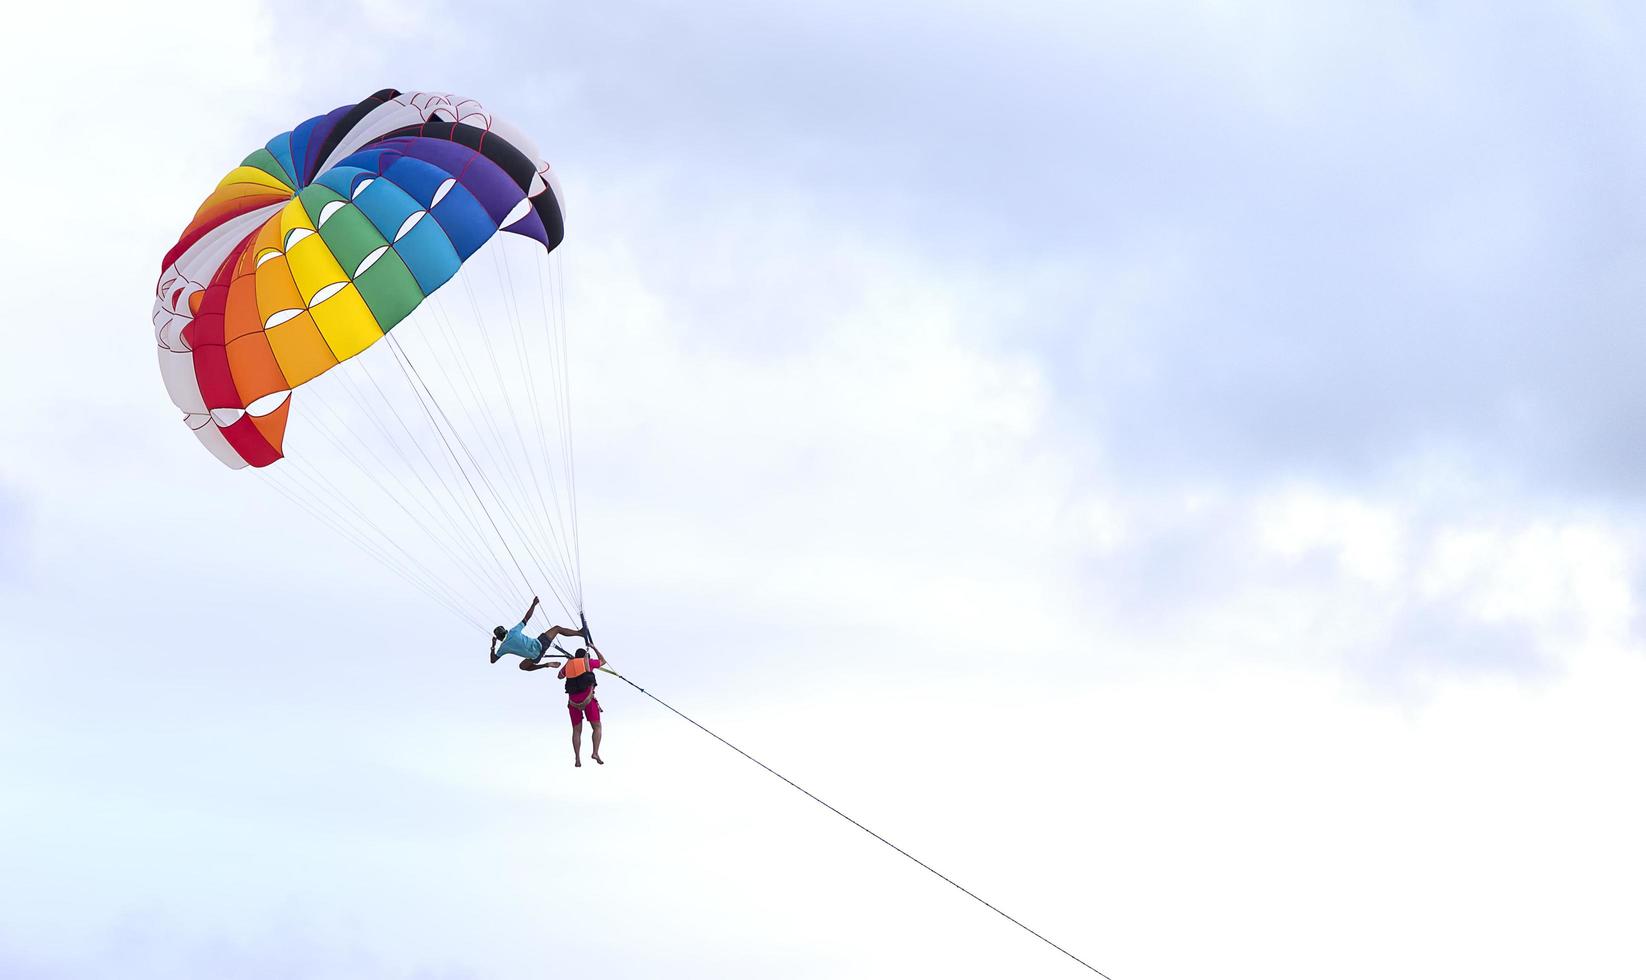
(530, 649)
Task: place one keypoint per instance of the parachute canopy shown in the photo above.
(322, 240)
(357, 257)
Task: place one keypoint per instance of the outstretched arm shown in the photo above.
(598, 656)
(529, 610)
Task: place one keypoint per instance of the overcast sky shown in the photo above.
(1175, 468)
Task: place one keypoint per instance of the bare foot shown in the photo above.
(598, 759)
(578, 763)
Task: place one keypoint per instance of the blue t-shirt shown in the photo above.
(519, 644)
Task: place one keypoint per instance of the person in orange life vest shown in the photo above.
(515, 642)
(580, 700)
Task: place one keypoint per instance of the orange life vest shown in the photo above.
(576, 667)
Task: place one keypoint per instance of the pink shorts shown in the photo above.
(591, 707)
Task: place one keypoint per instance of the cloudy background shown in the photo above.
(1175, 468)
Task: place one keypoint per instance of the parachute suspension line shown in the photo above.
(440, 320)
(325, 490)
(367, 547)
(344, 532)
(546, 531)
(558, 325)
(402, 378)
(370, 473)
(507, 457)
(496, 572)
(406, 365)
(501, 458)
(478, 565)
(318, 506)
(530, 376)
(968, 892)
(556, 368)
(553, 369)
(436, 541)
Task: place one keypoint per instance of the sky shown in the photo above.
(1171, 467)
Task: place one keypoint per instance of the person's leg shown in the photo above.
(577, 744)
(555, 632)
(593, 712)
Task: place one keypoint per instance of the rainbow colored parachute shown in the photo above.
(321, 241)
(357, 257)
